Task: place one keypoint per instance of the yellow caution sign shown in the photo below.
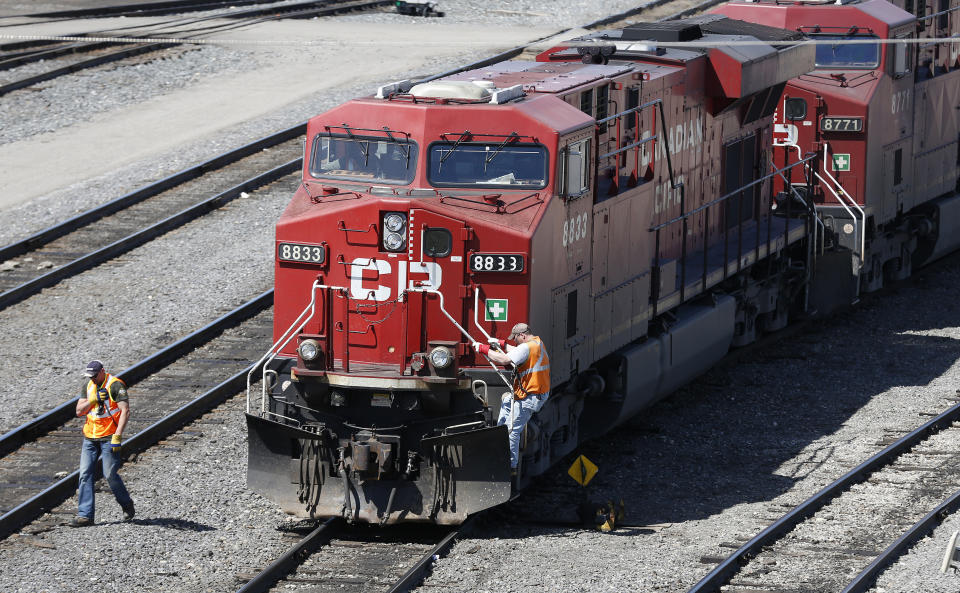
(582, 470)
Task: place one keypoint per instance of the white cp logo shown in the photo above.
(382, 267)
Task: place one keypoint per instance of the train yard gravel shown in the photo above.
(699, 473)
(707, 469)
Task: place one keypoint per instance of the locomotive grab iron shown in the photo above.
(629, 200)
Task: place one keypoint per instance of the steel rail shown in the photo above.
(85, 262)
(58, 230)
(867, 578)
(421, 569)
(15, 518)
(156, 8)
(56, 417)
(726, 570)
(27, 56)
(76, 67)
(293, 557)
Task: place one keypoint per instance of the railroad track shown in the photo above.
(69, 57)
(858, 524)
(145, 8)
(38, 467)
(354, 559)
(100, 234)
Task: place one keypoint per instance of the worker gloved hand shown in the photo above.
(481, 348)
(115, 443)
(495, 342)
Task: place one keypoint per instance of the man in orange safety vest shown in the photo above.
(104, 402)
(531, 384)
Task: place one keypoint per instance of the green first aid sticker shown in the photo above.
(495, 310)
(841, 162)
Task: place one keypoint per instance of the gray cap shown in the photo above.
(93, 369)
(520, 328)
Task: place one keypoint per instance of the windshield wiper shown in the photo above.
(459, 141)
(405, 146)
(364, 145)
(512, 136)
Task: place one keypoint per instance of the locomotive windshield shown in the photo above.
(521, 166)
(861, 53)
(356, 158)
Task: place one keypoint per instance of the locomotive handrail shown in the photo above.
(819, 222)
(342, 227)
(863, 232)
(476, 321)
(729, 195)
(284, 339)
(458, 326)
(499, 206)
(629, 146)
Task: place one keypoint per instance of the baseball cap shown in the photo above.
(520, 328)
(93, 369)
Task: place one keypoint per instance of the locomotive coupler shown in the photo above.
(413, 466)
(370, 455)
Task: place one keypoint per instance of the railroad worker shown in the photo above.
(531, 380)
(105, 403)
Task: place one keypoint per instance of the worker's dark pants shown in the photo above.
(88, 475)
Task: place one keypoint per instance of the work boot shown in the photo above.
(80, 521)
(128, 512)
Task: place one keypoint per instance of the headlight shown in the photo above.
(309, 350)
(440, 357)
(395, 222)
(393, 241)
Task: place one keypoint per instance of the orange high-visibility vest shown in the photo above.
(533, 376)
(103, 423)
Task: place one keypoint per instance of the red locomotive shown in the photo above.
(884, 118)
(614, 194)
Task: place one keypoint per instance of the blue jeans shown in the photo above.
(89, 453)
(523, 410)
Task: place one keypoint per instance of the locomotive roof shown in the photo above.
(810, 14)
(543, 77)
(638, 41)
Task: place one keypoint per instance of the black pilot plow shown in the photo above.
(436, 470)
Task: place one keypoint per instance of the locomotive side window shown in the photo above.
(633, 100)
(513, 166)
(603, 100)
(795, 109)
(902, 58)
(576, 160)
(378, 160)
(586, 102)
(843, 56)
